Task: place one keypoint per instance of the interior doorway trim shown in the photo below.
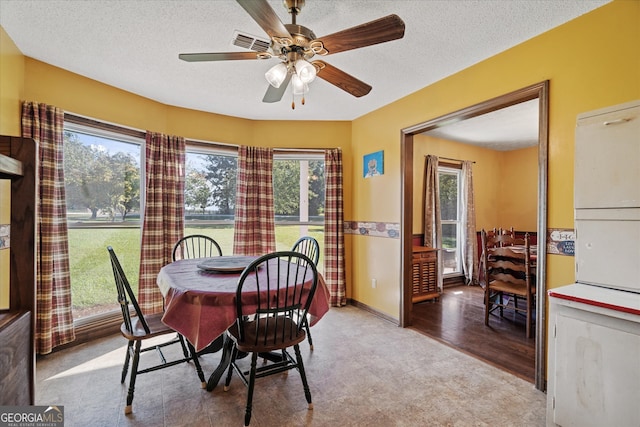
(538, 91)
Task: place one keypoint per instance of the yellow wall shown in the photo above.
(519, 188)
(11, 85)
(591, 62)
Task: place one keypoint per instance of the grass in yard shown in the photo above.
(92, 282)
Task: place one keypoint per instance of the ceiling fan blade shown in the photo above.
(264, 15)
(219, 56)
(274, 94)
(339, 78)
(379, 31)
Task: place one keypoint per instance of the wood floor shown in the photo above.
(457, 319)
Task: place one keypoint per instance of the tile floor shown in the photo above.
(364, 371)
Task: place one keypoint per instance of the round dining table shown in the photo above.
(200, 302)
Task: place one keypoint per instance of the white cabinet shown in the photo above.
(607, 158)
(607, 197)
(607, 247)
(594, 357)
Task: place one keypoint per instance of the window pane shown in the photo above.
(449, 236)
(298, 191)
(450, 254)
(449, 196)
(210, 197)
(102, 189)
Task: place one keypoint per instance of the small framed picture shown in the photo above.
(5, 236)
(373, 164)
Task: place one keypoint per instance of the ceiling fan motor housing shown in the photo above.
(293, 6)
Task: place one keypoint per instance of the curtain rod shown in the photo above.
(453, 160)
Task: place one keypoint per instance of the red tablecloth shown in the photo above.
(201, 305)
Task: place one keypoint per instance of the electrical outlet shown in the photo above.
(374, 283)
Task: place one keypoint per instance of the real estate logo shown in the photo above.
(31, 416)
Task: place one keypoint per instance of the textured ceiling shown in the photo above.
(509, 128)
(134, 45)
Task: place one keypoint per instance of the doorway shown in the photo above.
(538, 91)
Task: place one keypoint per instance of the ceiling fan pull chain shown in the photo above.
(293, 101)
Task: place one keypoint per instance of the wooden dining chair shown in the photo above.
(308, 246)
(507, 272)
(136, 328)
(271, 291)
(195, 246)
(192, 247)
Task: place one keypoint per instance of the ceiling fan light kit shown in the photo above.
(276, 74)
(295, 46)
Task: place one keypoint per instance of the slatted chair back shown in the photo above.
(507, 270)
(126, 295)
(196, 246)
(309, 246)
(502, 237)
(281, 286)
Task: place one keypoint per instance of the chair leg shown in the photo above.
(303, 375)
(529, 318)
(132, 381)
(487, 305)
(196, 362)
(127, 357)
(306, 327)
(182, 344)
(234, 354)
(252, 381)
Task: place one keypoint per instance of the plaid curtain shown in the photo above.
(54, 318)
(432, 219)
(334, 229)
(163, 213)
(254, 229)
(470, 246)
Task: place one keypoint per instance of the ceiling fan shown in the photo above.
(295, 46)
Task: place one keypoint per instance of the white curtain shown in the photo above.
(468, 239)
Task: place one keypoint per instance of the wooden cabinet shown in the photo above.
(17, 351)
(424, 274)
(16, 354)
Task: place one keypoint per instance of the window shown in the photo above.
(298, 198)
(102, 172)
(210, 187)
(450, 203)
(210, 194)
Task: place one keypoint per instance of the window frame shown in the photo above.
(105, 323)
(454, 169)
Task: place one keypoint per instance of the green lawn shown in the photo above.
(91, 275)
